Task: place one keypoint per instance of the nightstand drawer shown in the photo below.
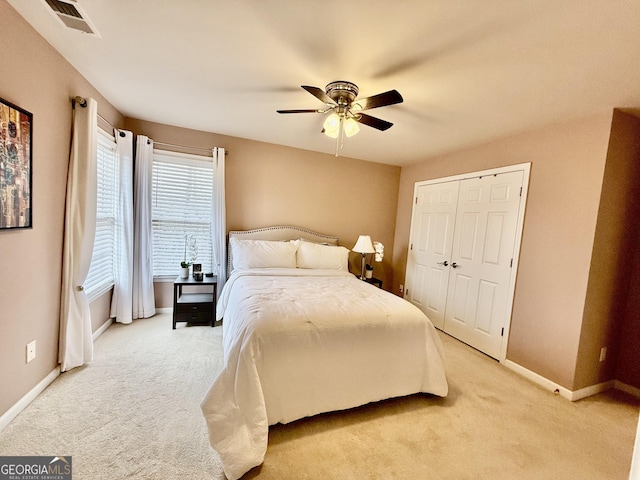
(195, 317)
(193, 308)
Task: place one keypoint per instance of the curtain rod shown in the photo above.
(83, 103)
(100, 117)
(186, 146)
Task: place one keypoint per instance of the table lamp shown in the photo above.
(363, 246)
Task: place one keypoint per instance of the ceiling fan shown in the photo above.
(345, 111)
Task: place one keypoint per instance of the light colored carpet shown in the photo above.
(134, 413)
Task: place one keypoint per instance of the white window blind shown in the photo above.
(101, 277)
(182, 207)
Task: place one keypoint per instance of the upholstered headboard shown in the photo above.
(279, 233)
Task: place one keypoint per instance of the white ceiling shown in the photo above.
(469, 70)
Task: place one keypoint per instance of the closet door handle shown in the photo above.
(445, 263)
(455, 265)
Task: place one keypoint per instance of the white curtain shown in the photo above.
(219, 218)
(76, 343)
(122, 299)
(143, 296)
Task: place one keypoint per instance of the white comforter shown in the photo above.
(301, 342)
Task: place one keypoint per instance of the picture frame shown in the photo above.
(16, 166)
(197, 272)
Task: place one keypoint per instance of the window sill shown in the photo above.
(98, 291)
(164, 278)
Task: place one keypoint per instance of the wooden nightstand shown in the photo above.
(194, 308)
(373, 280)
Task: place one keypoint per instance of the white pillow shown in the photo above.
(262, 254)
(315, 255)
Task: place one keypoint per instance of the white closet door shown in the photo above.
(432, 227)
(481, 262)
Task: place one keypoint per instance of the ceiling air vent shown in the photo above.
(71, 15)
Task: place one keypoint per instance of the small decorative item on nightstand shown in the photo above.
(379, 248)
(184, 269)
(190, 245)
(368, 271)
(198, 274)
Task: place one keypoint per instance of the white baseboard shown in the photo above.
(102, 329)
(592, 390)
(110, 322)
(572, 395)
(539, 380)
(627, 388)
(21, 404)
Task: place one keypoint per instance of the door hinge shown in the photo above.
(502, 333)
(416, 201)
(411, 247)
(520, 191)
(511, 264)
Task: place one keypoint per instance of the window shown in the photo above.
(181, 211)
(101, 277)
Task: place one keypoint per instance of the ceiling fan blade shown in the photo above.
(319, 94)
(372, 121)
(300, 111)
(381, 100)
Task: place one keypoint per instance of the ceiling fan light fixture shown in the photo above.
(351, 127)
(340, 99)
(331, 126)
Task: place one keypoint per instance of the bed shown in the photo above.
(303, 336)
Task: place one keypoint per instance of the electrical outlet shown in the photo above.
(603, 354)
(31, 351)
(401, 288)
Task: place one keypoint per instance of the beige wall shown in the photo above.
(567, 165)
(100, 310)
(273, 185)
(36, 78)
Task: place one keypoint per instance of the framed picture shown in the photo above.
(197, 267)
(16, 128)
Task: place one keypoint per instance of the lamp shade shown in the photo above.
(332, 126)
(351, 127)
(363, 245)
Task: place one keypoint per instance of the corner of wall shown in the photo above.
(612, 256)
